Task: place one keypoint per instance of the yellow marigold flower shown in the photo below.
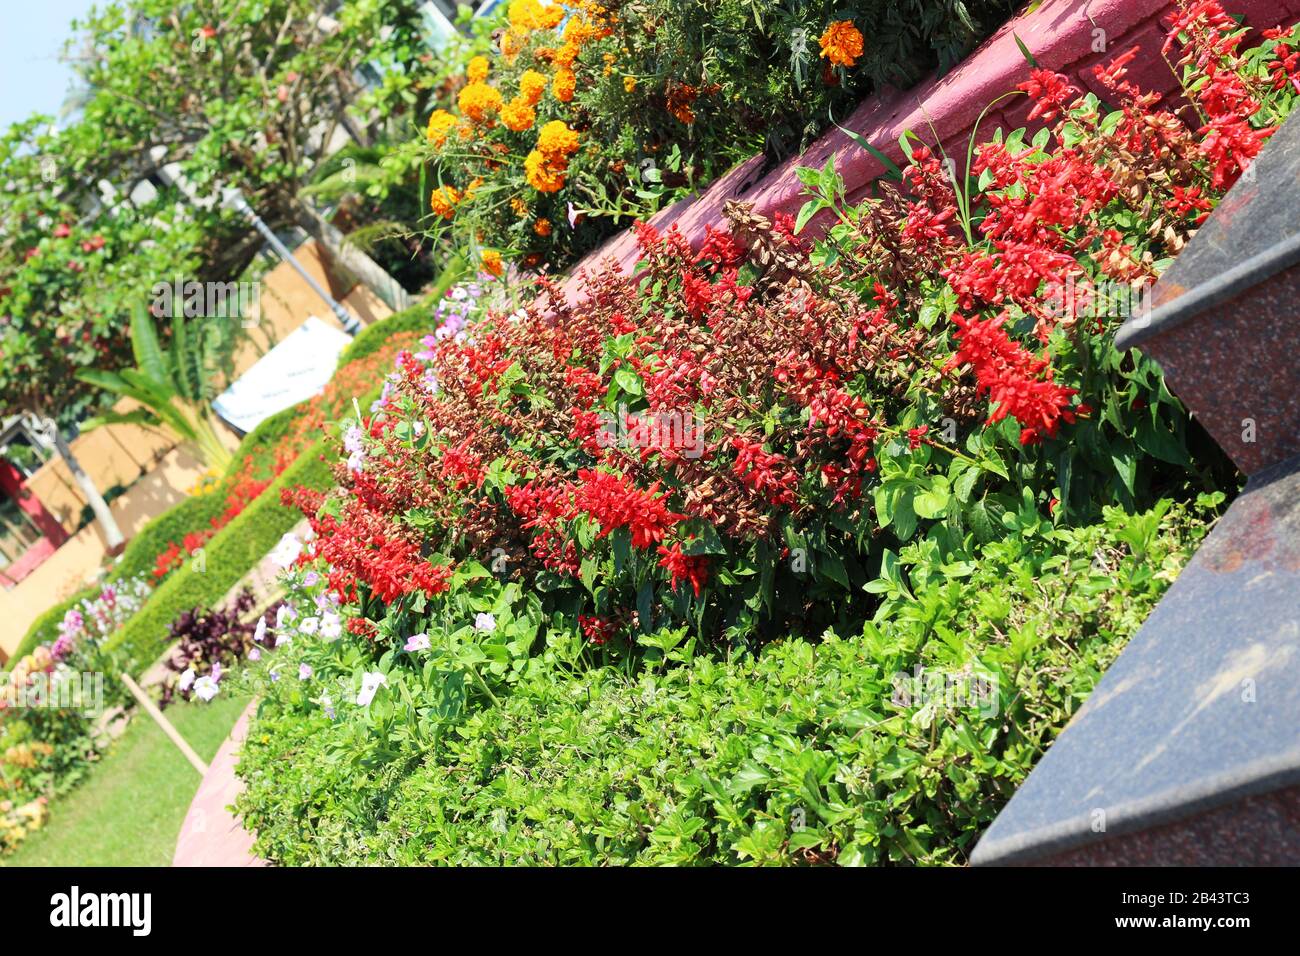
(541, 175)
(531, 87)
(519, 206)
(629, 84)
(478, 69)
(472, 188)
(528, 15)
(478, 100)
(549, 15)
(841, 43)
(441, 123)
(557, 142)
(443, 201)
(518, 115)
(511, 46)
(492, 262)
(542, 227)
(564, 84)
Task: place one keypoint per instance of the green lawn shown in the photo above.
(129, 809)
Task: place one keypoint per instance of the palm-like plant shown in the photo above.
(174, 386)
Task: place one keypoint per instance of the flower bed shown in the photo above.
(50, 702)
(668, 499)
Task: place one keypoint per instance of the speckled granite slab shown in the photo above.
(1225, 322)
(1200, 714)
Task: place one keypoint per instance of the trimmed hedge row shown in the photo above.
(192, 514)
(231, 553)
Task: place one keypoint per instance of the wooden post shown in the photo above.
(143, 700)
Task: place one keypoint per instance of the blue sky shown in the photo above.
(31, 37)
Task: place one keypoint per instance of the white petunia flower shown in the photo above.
(205, 688)
(287, 551)
(371, 681)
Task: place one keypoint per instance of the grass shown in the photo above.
(129, 809)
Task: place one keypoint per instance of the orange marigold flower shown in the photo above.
(542, 227)
(492, 262)
(841, 43)
(443, 201)
(519, 206)
(511, 46)
(566, 54)
(541, 175)
(629, 84)
(680, 98)
(441, 123)
(478, 101)
(557, 142)
(527, 15)
(518, 115)
(564, 84)
(531, 87)
(478, 69)
(472, 188)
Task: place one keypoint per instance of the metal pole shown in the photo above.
(351, 325)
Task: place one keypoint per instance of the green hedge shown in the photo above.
(228, 556)
(192, 514)
(812, 753)
(262, 443)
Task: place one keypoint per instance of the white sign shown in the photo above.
(295, 370)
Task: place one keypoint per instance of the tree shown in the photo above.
(242, 95)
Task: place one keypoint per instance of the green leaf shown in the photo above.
(149, 356)
(1025, 51)
(891, 168)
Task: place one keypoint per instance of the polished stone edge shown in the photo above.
(1171, 806)
(1158, 810)
(1222, 288)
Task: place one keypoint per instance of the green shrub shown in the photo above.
(811, 753)
(262, 444)
(227, 557)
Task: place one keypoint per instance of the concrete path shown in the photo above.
(211, 835)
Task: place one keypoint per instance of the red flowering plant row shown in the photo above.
(740, 442)
(1030, 261)
(256, 473)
